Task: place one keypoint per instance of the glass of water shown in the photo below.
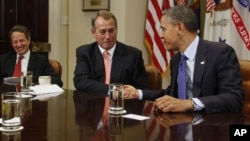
(116, 98)
(11, 108)
(26, 81)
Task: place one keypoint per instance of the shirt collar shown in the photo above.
(191, 50)
(111, 51)
(26, 55)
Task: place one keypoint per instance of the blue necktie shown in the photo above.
(182, 78)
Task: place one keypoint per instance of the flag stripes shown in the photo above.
(160, 56)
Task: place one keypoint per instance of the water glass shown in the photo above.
(11, 107)
(26, 80)
(116, 98)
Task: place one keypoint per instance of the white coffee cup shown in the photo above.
(44, 80)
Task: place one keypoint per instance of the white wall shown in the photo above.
(66, 38)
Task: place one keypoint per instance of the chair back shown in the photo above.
(245, 70)
(56, 66)
(154, 78)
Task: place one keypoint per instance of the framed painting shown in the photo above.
(95, 5)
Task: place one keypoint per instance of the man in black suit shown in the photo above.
(127, 65)
(214, 80)
(20, 40)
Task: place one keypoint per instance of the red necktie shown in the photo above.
(107, 80)
(17, 71)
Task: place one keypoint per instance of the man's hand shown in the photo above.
(130, 92)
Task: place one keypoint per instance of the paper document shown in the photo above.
(12, 80)
(136, 117)
(46, 89)
(43, 97)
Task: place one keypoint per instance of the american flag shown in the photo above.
(210, 5)
(160, 56)
(182, 2)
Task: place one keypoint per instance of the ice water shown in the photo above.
(11, 112)
(26, 81)
(116, 99)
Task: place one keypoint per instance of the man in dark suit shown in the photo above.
(214, 80)
(127, 65)
(20, 40)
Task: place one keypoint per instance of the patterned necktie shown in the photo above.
(17, 71)
(107, 80)
(182, 78)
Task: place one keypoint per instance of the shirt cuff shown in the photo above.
(140, 94)
(198, 105)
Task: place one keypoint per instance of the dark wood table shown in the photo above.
(75, 116)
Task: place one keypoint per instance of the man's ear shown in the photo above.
(92, 30)
(181, 27)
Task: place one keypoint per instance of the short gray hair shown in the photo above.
(184, 15)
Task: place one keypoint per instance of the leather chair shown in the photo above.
(56, 66)
(153, 77)
(245, 70)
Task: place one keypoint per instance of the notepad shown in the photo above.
(46, 89)
(136, 117)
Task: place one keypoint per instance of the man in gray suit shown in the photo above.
(214, 80)
(20, 40)
(127, 65)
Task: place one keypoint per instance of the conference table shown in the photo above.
(76, 116)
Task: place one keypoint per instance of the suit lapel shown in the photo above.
(12, 64)
(99, 63)
(117, 63)
(174, 73)
(32, 61)
(199, 68)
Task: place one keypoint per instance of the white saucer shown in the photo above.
(117, 112)
(11, 130)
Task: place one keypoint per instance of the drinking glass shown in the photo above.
(116, 99)
(11, 107)
(26, 80)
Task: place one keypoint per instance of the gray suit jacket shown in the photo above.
(127, 68)
(217, 79)
(38, 64)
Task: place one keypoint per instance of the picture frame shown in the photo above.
(95, 5)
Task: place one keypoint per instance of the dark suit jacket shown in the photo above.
(217, 79)
(127, 68)
(38, 64)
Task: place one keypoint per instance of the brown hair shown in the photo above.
(104, 14)
(20, 28)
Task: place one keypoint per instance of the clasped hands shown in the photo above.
(165, 103)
